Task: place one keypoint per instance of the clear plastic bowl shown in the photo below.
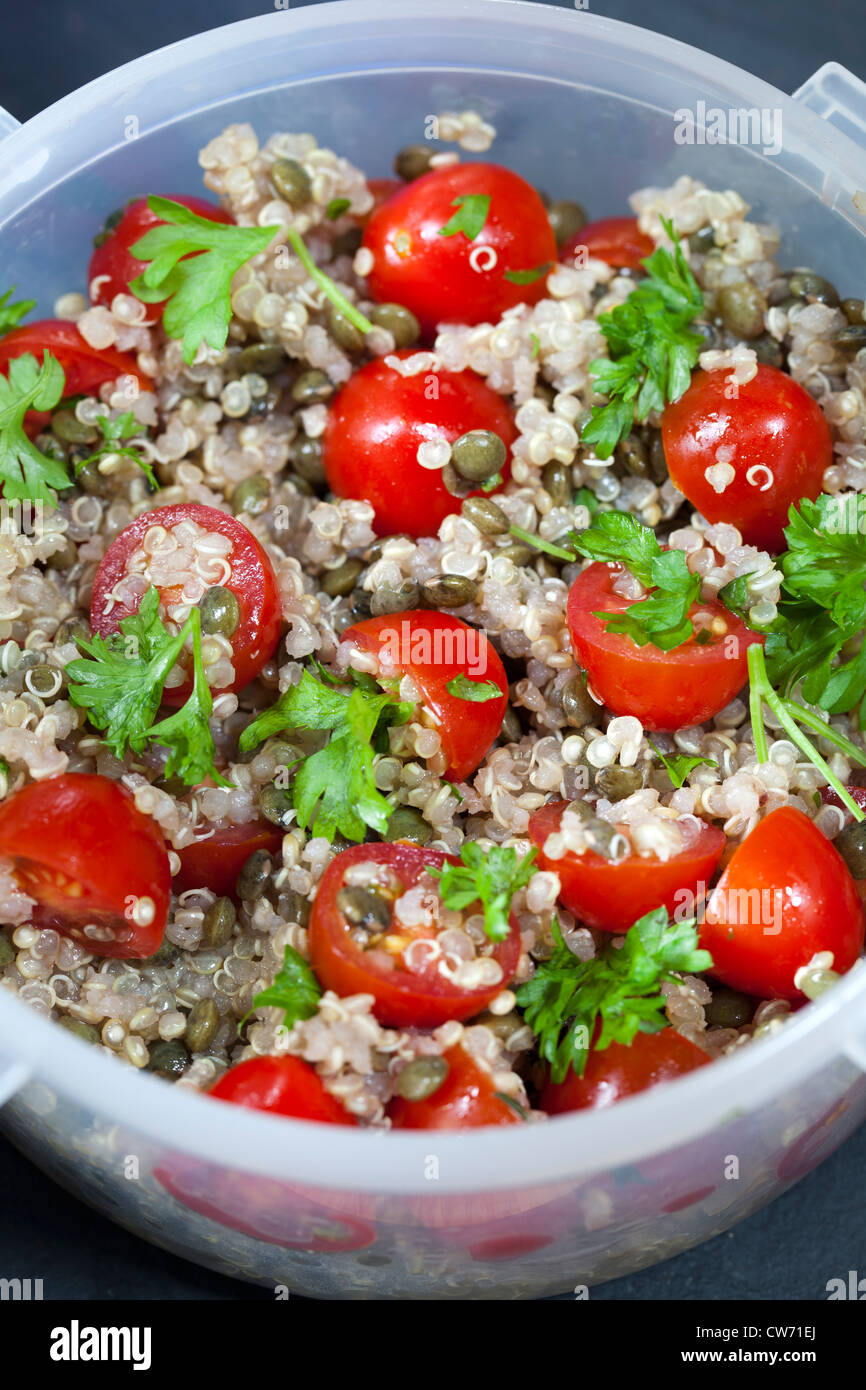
(584, 108)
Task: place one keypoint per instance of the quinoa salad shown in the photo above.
(431, 636)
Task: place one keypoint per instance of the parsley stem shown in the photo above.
(816, 723)
(762, 693)
(535, 541)
(326, 284)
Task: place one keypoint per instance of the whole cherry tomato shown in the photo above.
(215, 862)
(124, 575)
(470, 276)
(612, 895)
(422, 997)
(376, 424)
(664, 690)
(438, 650)
(97, 867)
(616, 240)
(785, 895)
(770, 433)
(112, 265)
(466, 1099)
(619, 1070)
(284, 1086)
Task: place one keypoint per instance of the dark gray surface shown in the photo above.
(789, 1250)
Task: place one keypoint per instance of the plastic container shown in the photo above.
(584, 107)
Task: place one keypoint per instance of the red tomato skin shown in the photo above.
(611, 897)
(98, 839)
(467, 729)
(216, 862)
(115, 267)
(620, 1070)
(283, 1086)
(615, 240)
(664, 690)
(465, 1100)
(252, 581)
(402, 1000)
(773, 422)
(820, 910)
(432, 274)
(375, 425)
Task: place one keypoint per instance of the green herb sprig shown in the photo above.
(490, 878)
(25, 472)
(295, 990)
(471, 214)
(679, 765)
(114, 432)
(12, 314)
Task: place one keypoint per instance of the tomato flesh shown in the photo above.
(403, 999)
(375, 426)
(619, 1071)
(284, 1086)
(97, 867)
(772, 434)
(434, 648)
(112, 265)
(251, 580)
(613, 896)
(216, 861)
(616, 240)
(465, 1100)
(785, 895)
(664, 690)
(450, 279)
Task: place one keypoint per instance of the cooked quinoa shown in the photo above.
(230, 420)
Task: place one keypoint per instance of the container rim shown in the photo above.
(480, 1160)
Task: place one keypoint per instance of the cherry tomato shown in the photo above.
(250, 577)
(466, 1099)
(434, 649)
(772, 434)
(612, 896)
(112, 265)
(284, 1086)
(664, 690)
(785, 895)
(421, 998)
(616, 240)
(96, 866)
(619, 1071)
(830, 797)
(450, 279)
(375, 426)
(382, 190)
(216, 862)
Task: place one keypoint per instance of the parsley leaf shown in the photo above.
(528, 277)
(618, 537)
(535, 342)
(477, 691)
(616, 993)
(334, 789)
(197, 287)
(491, 879)
(471, 214)
(295, 989)
(652, 350)
(113, 434)
(336, 208)
(11, 314)
(121, 685)
(735, 595)
(24, 471)
(679, 765)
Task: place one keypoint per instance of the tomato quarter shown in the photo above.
(465, 1100)
(616, 240)
(215, 862)
(85, 368)
(619, 1071)
(284, 1086)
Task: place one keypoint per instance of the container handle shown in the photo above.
(839, 97)
(8, 123)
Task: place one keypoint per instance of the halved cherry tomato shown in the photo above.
(771, 433)
(466, 1099)
(216, 862)
(435, 648)
(97, 867)
(450, 279)
(421, 999)
(375, 425)
(831, 797)
(251, 580)
(664, 690)
(785, 895)
(616, 240)
(113, 267)
(612, 896)
(284, 1086)
(622, 1070)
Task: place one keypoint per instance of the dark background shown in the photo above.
(815, 1232)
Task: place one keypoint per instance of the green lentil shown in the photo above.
(251, 496)
(67, 426)
(265, 358)
(85, 1031)
(566, 218)
(853, 309)
(632, 454)
(478, 455)
(201, 1025)
(364, 909)
(658, 464)
(578, 705)
(502, 1026)
(377, 549)
(91, 481)
(556, 481)
(741, 307)
(852, 338)
(448, 591)
(276, 805)
(292, 182)
(255, 876)
(583, 810)
(703, 240)
(421, 1078)
(341, 580)
(413, 161)
(616, 783)
(487, 515)
(405, 823)
(517, 553)
(307, 459)
(729, 1009)
(312, 387)
(168, 1058)
(219, 923)
(344, 332)
(767, 350)
(65, 558)
(457, 486)
(387, 599)
(605, 839)
(220, 611)
(851, 844)
(813, 288)
(7, 950)
(399, 321)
